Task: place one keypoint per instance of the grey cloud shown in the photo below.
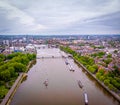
(64, 16)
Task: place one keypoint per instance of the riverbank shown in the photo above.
(106, 88)
(7, 99)
(12, 91)
(30, 65)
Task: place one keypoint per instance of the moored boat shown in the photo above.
(71, 68)
(66, 62)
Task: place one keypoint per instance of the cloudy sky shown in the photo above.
(52, 17)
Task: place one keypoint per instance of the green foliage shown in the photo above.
(101, 71)
(110, 74)
(99, 47)
(117, 79)
(5, 75)
(101, 78)
(31, 56)
(21, 59)
(85, 60)
(110, 78)
(3, 67)
(81, 44)
(112, 43)
(2, 82)
(12, 71)
(18, 67)
(99, 54)
(68, 50)
(116, 72)
(106, 82)
(9, 70)
(2, 57)
(109, 56)
(111, 87)
(10, 56)
(115, 83)
(115, 51)
(2, 63)
(3, 91)
(108, 60)
(92, 68)
(98, 75)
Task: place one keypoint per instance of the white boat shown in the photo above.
(71, 68)
(86, 98)
(66, 62)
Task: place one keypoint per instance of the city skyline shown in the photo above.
(54, 17)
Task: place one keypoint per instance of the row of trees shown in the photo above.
(10, 67)
(99, 54)
(87, 61)
(109, 78)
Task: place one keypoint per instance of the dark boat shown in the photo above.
(80, 84)
(46, 83)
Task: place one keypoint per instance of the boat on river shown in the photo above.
(46, 83)
(66, 62)
(71, 68)
(86, 98)
(80, 84)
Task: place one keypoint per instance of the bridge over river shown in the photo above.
(63, 88)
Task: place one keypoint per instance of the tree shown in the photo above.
(2, 63)
(18, 67)
(12, 71)
(106, 82)
(111, 87)
(92, 69)
(115, 83)
(10, 56)
(2, 57)
(108, 60)
(3, 91)
(24, 60)
(98, 75)
(5, 75)
(109, 56)
(115, 51)
(102, 78)
(101, 71)
(99, 54)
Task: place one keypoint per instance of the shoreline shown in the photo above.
(117, 97)
(7, 99)
(12, 91)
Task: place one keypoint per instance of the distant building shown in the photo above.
(6, 42)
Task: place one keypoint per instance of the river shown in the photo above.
(62, 86)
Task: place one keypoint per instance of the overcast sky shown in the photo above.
(51, 17)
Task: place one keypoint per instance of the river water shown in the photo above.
(62, 86)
